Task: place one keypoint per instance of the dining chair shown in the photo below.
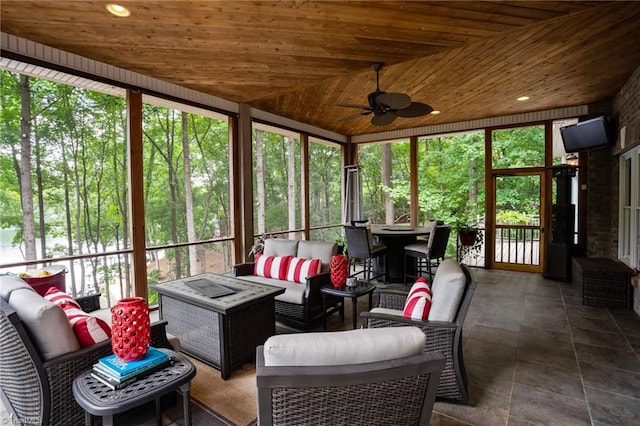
(427, 254)
(360, 246)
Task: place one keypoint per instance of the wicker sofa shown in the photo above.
(443, 336)
(301, 304)
(356, 377)
(36, 383)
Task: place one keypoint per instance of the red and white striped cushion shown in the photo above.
(418, 301)
(271, 266)
(300, 269)
(59, 297)
(88, 329)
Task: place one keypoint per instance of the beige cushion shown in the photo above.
(318, 250)
(343, 347)
(46, 322)
(387, 311)
(447, 288)
(280, 247)
(9, 283)
(294, 292)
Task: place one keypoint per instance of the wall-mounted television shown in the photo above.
(586, 135)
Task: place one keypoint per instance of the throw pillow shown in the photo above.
(418, 301)
(88, 329)
(271, 266)
(300, 269)
(59, 297)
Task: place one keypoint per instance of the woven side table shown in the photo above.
(99, 400)
(603, 282)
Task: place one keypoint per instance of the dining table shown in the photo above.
(396, 237)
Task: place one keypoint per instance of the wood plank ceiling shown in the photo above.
(298, 59)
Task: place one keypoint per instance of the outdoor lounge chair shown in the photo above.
(444, 336)
(356, 377)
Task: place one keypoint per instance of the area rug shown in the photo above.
(234, 400)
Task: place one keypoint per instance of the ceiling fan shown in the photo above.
(386, 107)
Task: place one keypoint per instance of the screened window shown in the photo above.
(72, 154)
(518, 147)
(186, 190)
(325, 180)
(277, 181)
(385, 180)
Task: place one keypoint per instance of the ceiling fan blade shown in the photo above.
(354, 106)
(360, 114)
(393, 100)
(383, 119)
(416, 109)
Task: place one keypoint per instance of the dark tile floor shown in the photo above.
(536, 355)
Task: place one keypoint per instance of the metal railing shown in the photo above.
(518, 244)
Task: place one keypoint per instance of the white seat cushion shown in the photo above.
(343, 347)
(420, 247)
(294, 292)
(447, 288)
(386, 311)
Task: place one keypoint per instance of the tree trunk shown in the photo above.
(260, 194)
(188, 195)
(26, 186)
(389, 214)
(291, 184)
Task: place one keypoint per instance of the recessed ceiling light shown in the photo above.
(117, 10)
(523, 98)
(435, 112)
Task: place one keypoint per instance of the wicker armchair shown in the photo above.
(391, 391)
(37, 392)
(441, 336)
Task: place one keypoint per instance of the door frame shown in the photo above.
(545, 197)
(493, 229)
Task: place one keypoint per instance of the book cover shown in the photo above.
(120, 369)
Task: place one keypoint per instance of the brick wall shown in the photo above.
(602, 169)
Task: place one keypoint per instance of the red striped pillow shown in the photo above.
(300, 269)
(418, 301)
(271, 266)
(89, 330)
(59, 297)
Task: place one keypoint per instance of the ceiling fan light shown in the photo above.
(118, 10)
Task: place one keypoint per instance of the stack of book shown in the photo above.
(117, 374)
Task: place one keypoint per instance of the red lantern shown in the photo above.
(339, 270)
(130, 329)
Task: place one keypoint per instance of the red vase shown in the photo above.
(339, 267)
(130, 329)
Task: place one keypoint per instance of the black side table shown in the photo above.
(353, 293)
(99, 400)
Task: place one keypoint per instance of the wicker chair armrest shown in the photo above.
(439, 334)
(89, 303)
(243, 269)
(391, 299)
